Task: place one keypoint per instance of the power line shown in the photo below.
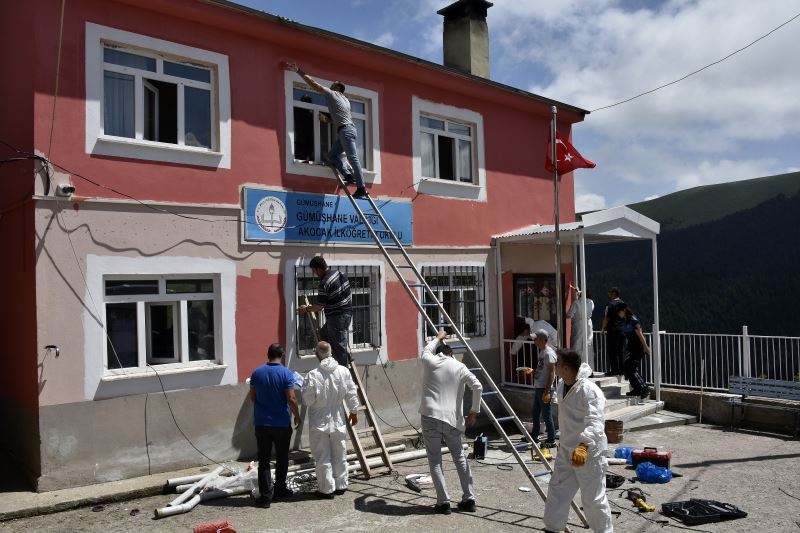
(773, 30)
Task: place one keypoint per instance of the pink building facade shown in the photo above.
(134, 256)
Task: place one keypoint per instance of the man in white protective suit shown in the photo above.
(324, 390)
(581, 461)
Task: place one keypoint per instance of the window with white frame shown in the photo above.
(158, 320)
(365, 329)
(171, 98)
(152, 99)
(446, 149)
(462, 292)
(313, 130)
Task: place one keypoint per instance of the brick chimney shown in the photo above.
(466, 36)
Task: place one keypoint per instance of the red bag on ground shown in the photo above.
(214, 527)
(651, 455)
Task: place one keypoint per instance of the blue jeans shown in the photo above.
(334, 331)
(346, 142)
(543, 409)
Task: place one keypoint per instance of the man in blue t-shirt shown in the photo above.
(272, 393)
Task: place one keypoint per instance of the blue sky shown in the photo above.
(737, 120)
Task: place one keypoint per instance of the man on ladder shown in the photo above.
(335, 299)
(344, 130)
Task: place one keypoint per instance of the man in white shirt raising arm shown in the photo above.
(442, 410)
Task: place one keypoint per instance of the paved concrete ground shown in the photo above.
(760, 474)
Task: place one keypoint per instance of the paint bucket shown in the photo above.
(614, 431)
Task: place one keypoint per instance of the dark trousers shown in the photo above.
(266, 436)
(615, 346)
(334, 331)
(543, 410)
(632, 363)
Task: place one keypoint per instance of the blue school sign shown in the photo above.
(303, 217)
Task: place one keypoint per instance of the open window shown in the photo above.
(153, 99)
(448, 150)
(310, 132)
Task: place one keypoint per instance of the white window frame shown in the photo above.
(303, 362)
(97, 142)
(102, 382)
(476, 190)
(144, 303)
(372, 146)
(456, 137)
(476, 343)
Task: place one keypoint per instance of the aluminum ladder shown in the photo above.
(493, 391)
(365, 407)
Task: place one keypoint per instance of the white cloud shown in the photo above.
(589, 202)
(385, 39)
(696, 132)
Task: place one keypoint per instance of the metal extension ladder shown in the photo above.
(493, 391)
(366, 408)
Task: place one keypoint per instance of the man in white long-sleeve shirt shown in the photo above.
(324, 390)
(442, 410)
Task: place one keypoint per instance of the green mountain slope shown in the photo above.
(707, 203)
(739, 268)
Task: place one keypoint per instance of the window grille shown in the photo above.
(462, 292)
(365, 328)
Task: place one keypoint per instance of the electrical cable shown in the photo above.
(773, 30)
(116, 356)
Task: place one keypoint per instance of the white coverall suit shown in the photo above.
(581, 419)
(323, 391)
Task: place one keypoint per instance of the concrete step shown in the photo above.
(615, 390)
(661, 419)
(634, 412)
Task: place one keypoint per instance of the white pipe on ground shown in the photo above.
(185, 485)
(378, 461)
(195, 487)
(203, 496)
(174, 482)
(174, 509)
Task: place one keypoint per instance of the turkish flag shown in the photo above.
(567, 156)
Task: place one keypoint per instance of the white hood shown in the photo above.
(323, 392)
(585, 371)
(328, 365)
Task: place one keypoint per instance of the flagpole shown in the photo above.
(559, 314)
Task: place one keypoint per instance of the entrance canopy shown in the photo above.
(609, 225)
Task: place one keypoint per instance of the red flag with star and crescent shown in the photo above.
(567, 156)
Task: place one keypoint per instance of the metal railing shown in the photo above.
(688, 360)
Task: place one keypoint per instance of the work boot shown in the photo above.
(339, 492)
(468, 506)
(349, 179)
(282, 494)
(442, 509)
(361, 192)
(263, 502)
(645, 393)
(324, 496)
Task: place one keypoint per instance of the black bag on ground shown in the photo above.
(696, 511)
